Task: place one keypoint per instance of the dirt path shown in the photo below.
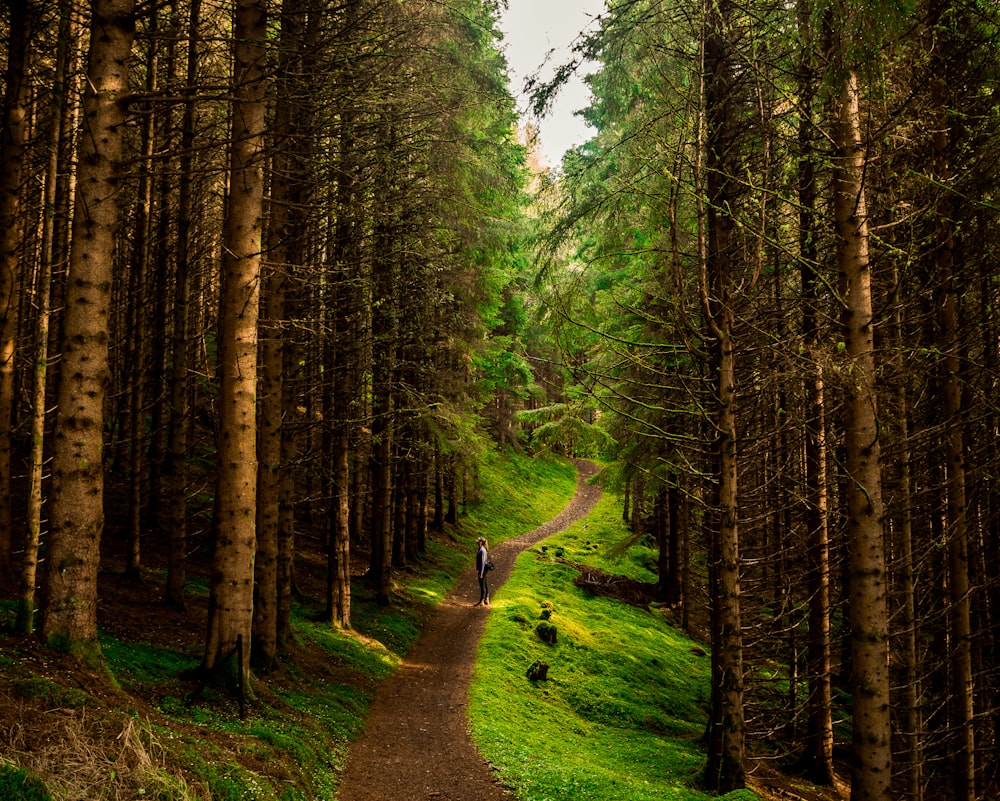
(416, 742)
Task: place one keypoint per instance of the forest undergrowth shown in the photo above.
(619, 716)
(622, 705)
(146, 728)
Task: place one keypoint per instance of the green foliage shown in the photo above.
(227, 782)
(547, 632)
(17, 784)
(565, 426)
(620, 715)
(519, 493)
(136, 663)
(53, 694)
(602, 541)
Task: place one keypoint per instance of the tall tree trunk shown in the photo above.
(385, 329)
(866, 583)
(661, 531)
(280, 245)
(962, 706)
(138, 319)
(347, 270)
(231, 599)
(183, 357)
(908, 626)
(69, 618)
(13, 138)
(817, 758)
(675, 552)
(726, 743)
(52, 249)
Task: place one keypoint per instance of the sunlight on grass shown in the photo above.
(517, 494)
(622, 711)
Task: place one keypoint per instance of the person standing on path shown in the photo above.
(482, 557)
(417, 743)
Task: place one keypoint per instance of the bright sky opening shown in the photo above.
(531, 29)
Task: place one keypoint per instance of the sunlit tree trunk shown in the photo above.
(69, 618)
(280, 245)
(867, 580)
(231, 599)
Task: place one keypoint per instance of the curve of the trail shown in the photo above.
(416, 743)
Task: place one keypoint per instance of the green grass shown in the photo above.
(17, 784)
(298, 730)
(621, 714)
(517, 494)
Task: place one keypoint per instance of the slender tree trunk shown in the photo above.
(231, 599)
(675, 555)
(663, 533)
(398, 501)
(13, 139)
(347, 269)
(867, 603)
(909, 626)
(60, 122)
(183, 357)
(726, 743)
(69, 618)
(286, 512)
(957, 531)
(437, 519)
(962, 705)
(138, 318)
(385, 329)
(280, 246)
(818, 755)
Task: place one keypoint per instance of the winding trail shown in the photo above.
(416, 742)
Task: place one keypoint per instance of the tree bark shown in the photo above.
(281, 235)
(138, 319)
(817, 758)
(347, 269)
(724, 771)
(69, 619)
(60, 137)
(183, 358)
(13, 139)
(867, 603)
(963, 746)
(231, 599)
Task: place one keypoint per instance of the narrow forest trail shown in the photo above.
(416, 743)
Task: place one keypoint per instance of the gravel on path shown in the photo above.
(416, 743)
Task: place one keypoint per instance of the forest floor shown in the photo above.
(416, 743)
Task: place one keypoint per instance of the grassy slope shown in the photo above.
(620, 716)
